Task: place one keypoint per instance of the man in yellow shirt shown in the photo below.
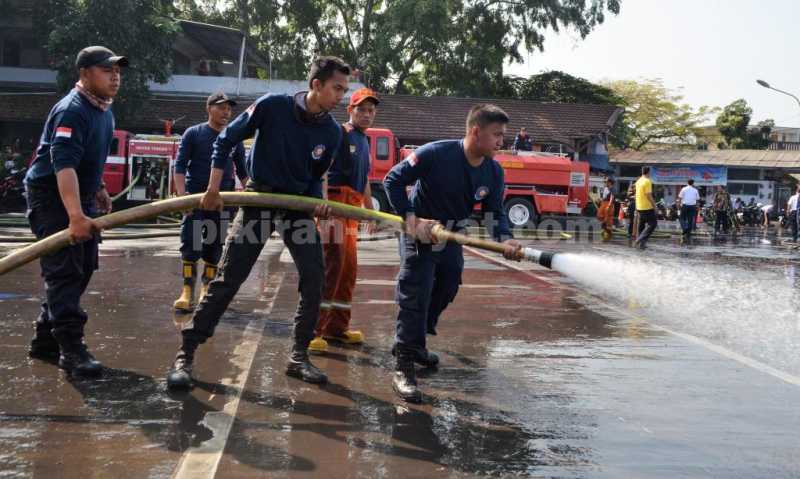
(645, 207)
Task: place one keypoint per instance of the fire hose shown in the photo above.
(61, 239)
(129, 187)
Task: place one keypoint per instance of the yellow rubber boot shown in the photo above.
(209, 273)
(318, 345)
(186, 300)
(348, 337)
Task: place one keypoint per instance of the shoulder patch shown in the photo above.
(412, 159)
(63, 132)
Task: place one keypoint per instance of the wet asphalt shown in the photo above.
(539, 378)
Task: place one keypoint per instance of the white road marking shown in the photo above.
(202, 461)
(722, 351)
(386, 282)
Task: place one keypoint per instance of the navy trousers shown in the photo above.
(66, 272)
(427, 283)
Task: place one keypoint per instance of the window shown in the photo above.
(743, 174)
(382, 148)
(743, 188)
(630, 171)
(114, 146)
(11, 53)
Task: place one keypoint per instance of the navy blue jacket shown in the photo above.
(76, 135)
(351, 165)
(290, 154)
(447, 187)
(194, 159)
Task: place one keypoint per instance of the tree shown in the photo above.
(733, 121)
(145, 36)
(406, 46)
(654, 113)
(758, 137)
(733, 124)
(559, 87)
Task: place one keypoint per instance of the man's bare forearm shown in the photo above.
(215, 180)
(180, 184)
(69, 191)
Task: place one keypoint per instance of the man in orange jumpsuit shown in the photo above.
(347, 183)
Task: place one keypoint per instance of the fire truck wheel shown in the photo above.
(521, 212)
(379, 200)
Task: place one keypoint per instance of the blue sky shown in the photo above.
(714, 50)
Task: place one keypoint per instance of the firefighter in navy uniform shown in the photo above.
(295, 140)
(64, 189)
(202, 231)
(449, 177)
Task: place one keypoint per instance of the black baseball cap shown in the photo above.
(99, 56)
(219, 98)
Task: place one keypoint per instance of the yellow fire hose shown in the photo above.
(60, 240)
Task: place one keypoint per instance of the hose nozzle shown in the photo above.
(543, 258)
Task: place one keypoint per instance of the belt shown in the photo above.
(259, 187)
(43, 190)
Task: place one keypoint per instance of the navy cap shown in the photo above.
(99, 56)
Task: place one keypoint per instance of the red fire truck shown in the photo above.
(536, 183)
(141, 166)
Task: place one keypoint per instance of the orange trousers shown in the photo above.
(340, 246)
(606, 214)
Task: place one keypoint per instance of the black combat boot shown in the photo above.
(300, 367)
(76, 360)
(180, 376)
(423, 357)
(404, 381)
(44, 345)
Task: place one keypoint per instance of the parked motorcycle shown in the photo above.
(12, 190)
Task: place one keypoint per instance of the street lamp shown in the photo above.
(767, 85)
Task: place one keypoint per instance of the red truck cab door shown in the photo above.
(115, 171)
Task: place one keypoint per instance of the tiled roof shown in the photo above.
(785, 159)
(411, 118)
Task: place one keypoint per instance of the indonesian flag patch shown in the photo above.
(63, 132)
(250, 110)
(412, 159)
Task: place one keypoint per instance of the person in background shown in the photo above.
(348, 183)
(765, 212)
(791, 212)
(523, 142)
(631, 210)
(605, 213)
(645, 208)
(722, 209)
(202, 232)
(687, 202)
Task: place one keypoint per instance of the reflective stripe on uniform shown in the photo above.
(334, 305)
